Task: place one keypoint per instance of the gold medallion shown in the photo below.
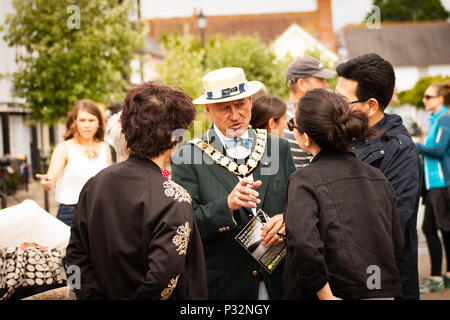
(243, 169)
(232, 166)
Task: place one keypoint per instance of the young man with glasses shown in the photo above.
(302, 75)
(367, 83)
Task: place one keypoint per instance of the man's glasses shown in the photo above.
(291, 125)
(428, 97)
(358, 101)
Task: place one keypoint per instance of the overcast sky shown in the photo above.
(344, 11)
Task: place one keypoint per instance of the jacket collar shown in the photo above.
(332, 154)
(437, 114)
(144, 162)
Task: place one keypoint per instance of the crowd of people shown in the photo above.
(339, 179)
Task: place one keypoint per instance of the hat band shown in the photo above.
(227, 92)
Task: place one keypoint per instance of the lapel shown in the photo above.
(264, 163)
(228, 179)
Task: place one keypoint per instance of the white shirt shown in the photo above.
(241, 152)
(237, 152)
(78, 170)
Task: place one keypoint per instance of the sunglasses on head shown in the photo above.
(428, 97)
(291, 125)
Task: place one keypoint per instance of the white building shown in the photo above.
(295, 41)
(415, 49)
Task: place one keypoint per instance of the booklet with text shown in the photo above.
(250, 238)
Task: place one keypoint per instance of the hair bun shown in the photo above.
(349, 125)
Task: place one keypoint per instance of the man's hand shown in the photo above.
(269, 235)
(244, 195)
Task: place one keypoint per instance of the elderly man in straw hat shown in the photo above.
(231, 172)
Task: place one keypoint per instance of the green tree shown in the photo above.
(183, 68)
(410, 10)
(71, 50)
(182, 65)
(414, 96)
(186, 63)
(259, 62)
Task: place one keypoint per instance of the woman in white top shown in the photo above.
(81, 156)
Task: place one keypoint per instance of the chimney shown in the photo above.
(325, 24)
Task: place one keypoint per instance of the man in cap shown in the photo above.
(302, 75)
(230, 173)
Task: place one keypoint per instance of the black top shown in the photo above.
(341, 219)
(394, 153)
(134, 236)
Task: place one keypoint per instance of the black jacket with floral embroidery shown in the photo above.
(134, 237)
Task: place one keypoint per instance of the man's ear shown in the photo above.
(271, 125)
(373, 107)
(300, 85)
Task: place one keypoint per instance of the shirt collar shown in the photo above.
(223, 138)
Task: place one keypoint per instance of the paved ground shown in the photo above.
(36, 193)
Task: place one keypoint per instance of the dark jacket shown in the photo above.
(232, 273)
(134, 237)
(395, 154)
(342, 224)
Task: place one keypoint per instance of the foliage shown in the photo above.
(410, 10)
(187, 61)
(414, 96)
(259, 62)
(182, 67)
(67, 55)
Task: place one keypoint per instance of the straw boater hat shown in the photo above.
(226, 84)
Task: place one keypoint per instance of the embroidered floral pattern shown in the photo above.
(167, 292)
(181, 239)
(175, 191)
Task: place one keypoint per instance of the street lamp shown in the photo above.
(201, 24)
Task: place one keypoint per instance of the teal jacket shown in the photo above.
(436, 151)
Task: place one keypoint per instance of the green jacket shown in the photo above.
(231, 272)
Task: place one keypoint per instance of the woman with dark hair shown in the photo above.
(436, 157)
(343, 231)
(81, 156)
(269, 112)
(134, 235)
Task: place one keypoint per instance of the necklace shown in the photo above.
(91, 153)
(230, 165)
